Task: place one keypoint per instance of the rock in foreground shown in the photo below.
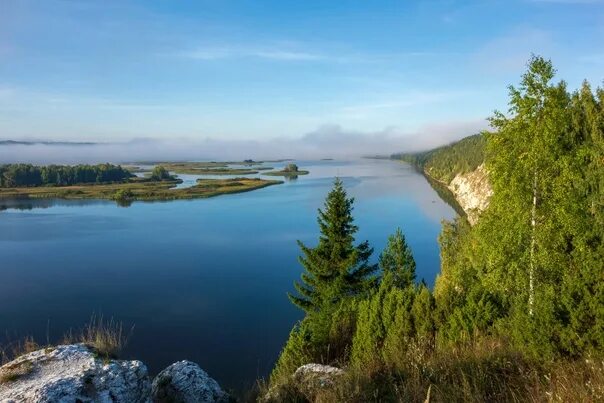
(316, 375)
(72, 373)
(186, 382)
(304, 384)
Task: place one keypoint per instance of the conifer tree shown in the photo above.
(335, 268)
(397, 259)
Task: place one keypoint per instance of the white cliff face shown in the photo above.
(472, 191)
(72, 373)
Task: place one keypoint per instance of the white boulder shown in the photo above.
(316, 375)
(186, 382)
(72, 373)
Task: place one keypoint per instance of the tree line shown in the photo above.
(25, 175)
(443, 163)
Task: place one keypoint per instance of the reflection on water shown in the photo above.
(206, 279)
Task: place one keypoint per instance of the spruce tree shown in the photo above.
(397, 259)
(335, 268)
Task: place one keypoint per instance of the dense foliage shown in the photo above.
(21, 175)
(160, 173)
(517, 312)
(534, 263)
(335, 269)
(291, 168)
(445, 162)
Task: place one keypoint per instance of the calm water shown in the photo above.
(203, 280)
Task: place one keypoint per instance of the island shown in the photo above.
(290, 170)
(247, 167)
(106, 181)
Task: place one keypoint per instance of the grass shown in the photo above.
(140, 189)
(10, 351)
(107, 339)
(215, 168)
(486, 371)
(213, 171)
(286, 173)
(14, 372)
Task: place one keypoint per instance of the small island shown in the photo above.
(247, 167)
(290, 170)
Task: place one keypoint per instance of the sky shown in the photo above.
(322, 74)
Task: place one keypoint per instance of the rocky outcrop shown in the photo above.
(186, 382)
(72, 373)
(304, 384)
(75, 373)
(472, 191)
(312, 376)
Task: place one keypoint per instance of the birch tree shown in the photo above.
(523, 160)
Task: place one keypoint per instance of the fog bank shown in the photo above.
(325, 142)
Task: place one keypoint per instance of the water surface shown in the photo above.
(205, 279)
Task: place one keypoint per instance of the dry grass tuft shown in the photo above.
(485, 371)
(14, 372)
(10, 351)
(106, 338)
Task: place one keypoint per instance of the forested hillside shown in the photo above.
(517, 312)
(443, 163)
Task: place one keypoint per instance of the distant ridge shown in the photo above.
(46, 143)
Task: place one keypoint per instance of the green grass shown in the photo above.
(286, 173)
(141, 189)
(213, 171)
(215, 168)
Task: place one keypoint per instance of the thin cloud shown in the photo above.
(411, 100)
(218, 53)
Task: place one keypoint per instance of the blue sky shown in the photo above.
(259, 70)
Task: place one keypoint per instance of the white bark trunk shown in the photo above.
(532, 257)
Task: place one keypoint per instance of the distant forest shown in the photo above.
(20, 175)
(443, 163)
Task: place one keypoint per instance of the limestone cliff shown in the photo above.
(472, 191)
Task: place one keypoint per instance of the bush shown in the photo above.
(291, 168)
(160, 173)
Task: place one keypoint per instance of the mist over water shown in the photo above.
(329, 141)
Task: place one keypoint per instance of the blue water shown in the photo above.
(203, 280)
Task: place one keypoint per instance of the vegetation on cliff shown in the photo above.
(443, 163)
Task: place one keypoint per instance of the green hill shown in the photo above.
(443, 163)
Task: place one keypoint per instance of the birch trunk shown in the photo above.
(533, 244)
